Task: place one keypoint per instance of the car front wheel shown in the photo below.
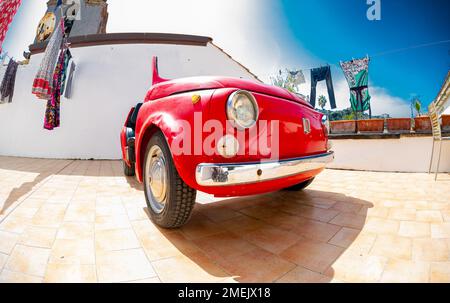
(170, 201)
(300, 186)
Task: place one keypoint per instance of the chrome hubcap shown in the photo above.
(156, 185)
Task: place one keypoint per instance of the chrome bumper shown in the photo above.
(244, 173)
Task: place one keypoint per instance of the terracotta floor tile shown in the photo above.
(414, 229)
(284, 221)
(3, 259)
(431, 216)
(382, 226)
(7, 241)
(349, 220)
(303, 275)
(219, 214)
(70, 273)
(123, 265)
(49, 215)
(309, 212)
(112, 222)
(400, 271)
(440, 272)
(200, 227)
(194, 269)
(7, 276)
(116, 239)
(224, 245)
(257, 265)
(402, 214)
(259, 211)
(75, 230)
(313, 255)
(355, 268)
(344, 237)
(347, 207)
(80, 212)
(440, 231)
(28, 260)
(391, 246)
(38, 236)
(72, 251)
(241, 224)
(14, 224)
(432, 250)
(316, 230)
(272, 239)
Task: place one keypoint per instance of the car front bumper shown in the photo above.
(208, 174)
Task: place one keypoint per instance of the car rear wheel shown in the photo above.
(170, 201)
(128, 170)
(300, 186)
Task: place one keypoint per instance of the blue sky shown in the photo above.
(339, 30)
(268, 35)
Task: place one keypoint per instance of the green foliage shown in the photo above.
(417, 105)
(347, 114)
(322, 101)
(285, 80)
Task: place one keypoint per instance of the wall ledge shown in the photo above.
(127, 38)
(377, 136)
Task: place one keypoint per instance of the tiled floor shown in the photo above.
(74, 221)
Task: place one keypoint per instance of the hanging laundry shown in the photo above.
(9, 79)
(321, 74)
(8, 9)
(52, 112)
(42, 85)
(3, 57)
(68, 85)
(297, 76)
(67, 59)
(357, 74)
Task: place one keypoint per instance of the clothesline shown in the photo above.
(377, 55)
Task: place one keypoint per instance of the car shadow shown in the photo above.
(277, 237)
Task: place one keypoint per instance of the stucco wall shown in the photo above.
(109, 80)
(407, 154)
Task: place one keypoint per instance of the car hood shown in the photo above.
(181, 85)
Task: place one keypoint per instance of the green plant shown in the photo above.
(285, 80)
(417, 106)
(322, 101)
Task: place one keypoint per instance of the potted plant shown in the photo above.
(399, 124)
(343, 127)
(371, 126)
(445, 123)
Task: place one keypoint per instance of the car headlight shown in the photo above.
(326, 123)
(242, 109)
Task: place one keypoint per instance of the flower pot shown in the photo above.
(371, 126)
(422, 124)
(343, 127)
(399, 125)
(445, 123)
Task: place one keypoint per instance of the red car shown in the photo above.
(223, 136)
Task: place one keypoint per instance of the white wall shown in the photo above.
(407, 154)
(109, 80)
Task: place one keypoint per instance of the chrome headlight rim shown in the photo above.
(231, 113)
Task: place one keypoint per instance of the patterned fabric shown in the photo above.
(357, 74)
(9, 79)
(42, 85)
(52, 111)
(8, 9)
(297, 76)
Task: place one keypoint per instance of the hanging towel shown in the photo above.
(42, 85)
(68, 84)
(357, 74)
(9, 79)
(8, 9)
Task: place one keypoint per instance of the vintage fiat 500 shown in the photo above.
(223, 136)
